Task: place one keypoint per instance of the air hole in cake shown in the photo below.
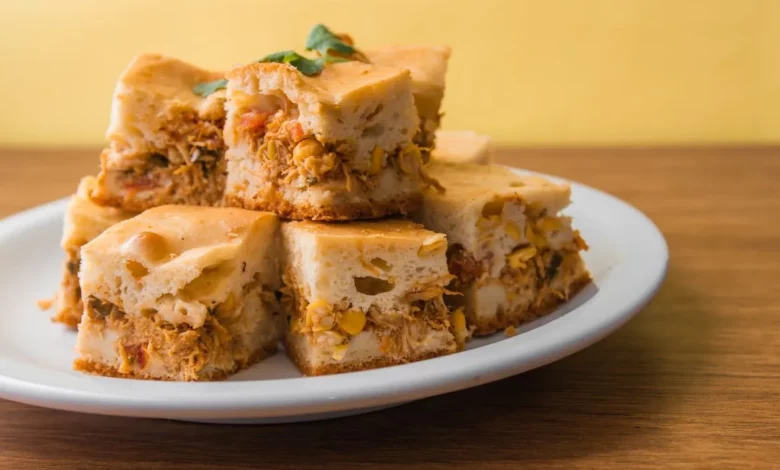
(269, 103)
(375, 112)
(136, 269)
(370, 285)
(159, 159)
(373, 131)
(208, 281)
(97, 308)
(382, 264)
(493, 207)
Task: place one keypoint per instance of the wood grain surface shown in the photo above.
(692, 382)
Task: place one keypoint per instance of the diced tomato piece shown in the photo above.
(297, 132)
(141, 183)
(136, 354)
(254, 121)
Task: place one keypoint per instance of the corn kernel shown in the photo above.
(376, 159)
(432, 244)
(228, 305)
(549, 224)
(534, 210)
(459, 330)
(307, 148)
(324, 324)
(152, 246)
(316, 310)
(510, 331)
(270, 152)
(352, 321)
(517, 259)
(513, 231)
(339, 351)
(410, 159)
(458, 320)
(534, 238)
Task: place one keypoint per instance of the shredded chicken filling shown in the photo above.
(398, 330)
(186, 145)
(425, 138)
(292, 157)
(179, 345)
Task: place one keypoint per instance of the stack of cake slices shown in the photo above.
(311, 202)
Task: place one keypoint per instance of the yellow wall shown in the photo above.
(533, 72)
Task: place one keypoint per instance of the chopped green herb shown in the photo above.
(103, 309)
(323, 40)
(159, 159)
(306, 66)
(330, 46)
(73, 267)
(206, 88)
(552, 269)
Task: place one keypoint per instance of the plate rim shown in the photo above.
(295, 397)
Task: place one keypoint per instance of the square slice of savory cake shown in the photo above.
(165, 140)
(428, 66)
(366, 294)
(84, 220)
(515, 257)
(180, 293)
(335, 146)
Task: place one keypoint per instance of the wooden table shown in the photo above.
(692, 381)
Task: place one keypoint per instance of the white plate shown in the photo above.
(627, 258)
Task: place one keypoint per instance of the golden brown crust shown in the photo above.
(68, 303)
(92, 367)
(486, 326)
(340, 368)
(367, 210)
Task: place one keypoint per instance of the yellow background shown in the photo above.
(527, 72)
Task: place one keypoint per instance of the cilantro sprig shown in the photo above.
(206, 88)
(329, 46)
(306, 66)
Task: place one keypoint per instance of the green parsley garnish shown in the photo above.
(323, 40)
(207, 88)
(306, 66)
(330, 47)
